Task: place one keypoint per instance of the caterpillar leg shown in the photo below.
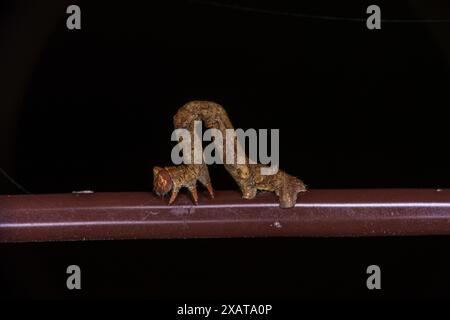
(208, 186)
(173, 196)
(205, 180)
(210, 189)
(194, 194)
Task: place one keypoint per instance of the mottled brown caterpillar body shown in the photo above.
(247, 176)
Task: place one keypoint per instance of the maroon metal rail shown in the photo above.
(382, 212)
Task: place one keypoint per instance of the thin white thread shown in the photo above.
(312, 16)
(14, 182)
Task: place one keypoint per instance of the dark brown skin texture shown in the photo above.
(247, 176)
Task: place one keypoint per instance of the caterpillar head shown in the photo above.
(162, 182)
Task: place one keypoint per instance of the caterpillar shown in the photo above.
(247, 176)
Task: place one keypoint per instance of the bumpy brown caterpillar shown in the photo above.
(247, 176)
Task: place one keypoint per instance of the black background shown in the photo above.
(92, 109)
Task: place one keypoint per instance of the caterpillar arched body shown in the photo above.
(247, 176)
